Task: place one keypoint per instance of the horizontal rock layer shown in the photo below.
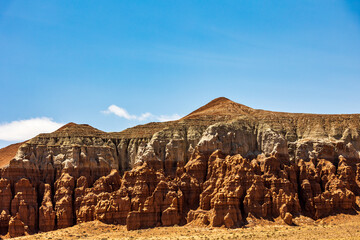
(218, 166)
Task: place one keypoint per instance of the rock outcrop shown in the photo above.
(47, 213)
(221, 165)
(24, 204)
(63, 199)
(16, 227)
(5, 201)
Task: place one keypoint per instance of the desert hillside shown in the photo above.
(223, 165)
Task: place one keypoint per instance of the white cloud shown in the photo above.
(25, 129)
(145, 116)
(121, 112)
(165, 118)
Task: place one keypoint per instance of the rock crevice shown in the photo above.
(221, 165)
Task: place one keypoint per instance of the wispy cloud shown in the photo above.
(121, 112)
(25, 129)
(165, 118)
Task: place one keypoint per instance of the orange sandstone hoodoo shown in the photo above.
(217, 166)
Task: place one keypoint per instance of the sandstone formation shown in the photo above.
(63, 199)
(46, 210)
(221, 165)
(24, 204)
(16, 227)
(5, 201)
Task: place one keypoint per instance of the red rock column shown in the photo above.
(64, 201)
(46, 212)
(5, 200)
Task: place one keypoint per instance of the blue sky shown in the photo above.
(70, 61)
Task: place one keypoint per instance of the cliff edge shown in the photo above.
(221, 165)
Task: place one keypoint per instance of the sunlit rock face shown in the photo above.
(217, 166)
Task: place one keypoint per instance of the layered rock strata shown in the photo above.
(219, 166)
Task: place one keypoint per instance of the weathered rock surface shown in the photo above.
(16, 227)
(219, 166)
(24, 204)
(47, 213)
(63, 199)
(5, 201)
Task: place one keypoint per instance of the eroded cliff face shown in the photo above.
(220, 165)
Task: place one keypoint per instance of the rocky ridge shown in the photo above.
(221, 165)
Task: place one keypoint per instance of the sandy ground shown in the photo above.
(336, 227)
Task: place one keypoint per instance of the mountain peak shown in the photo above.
(77, 128)
(221, 106)
(220, 100)
(67, 126)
